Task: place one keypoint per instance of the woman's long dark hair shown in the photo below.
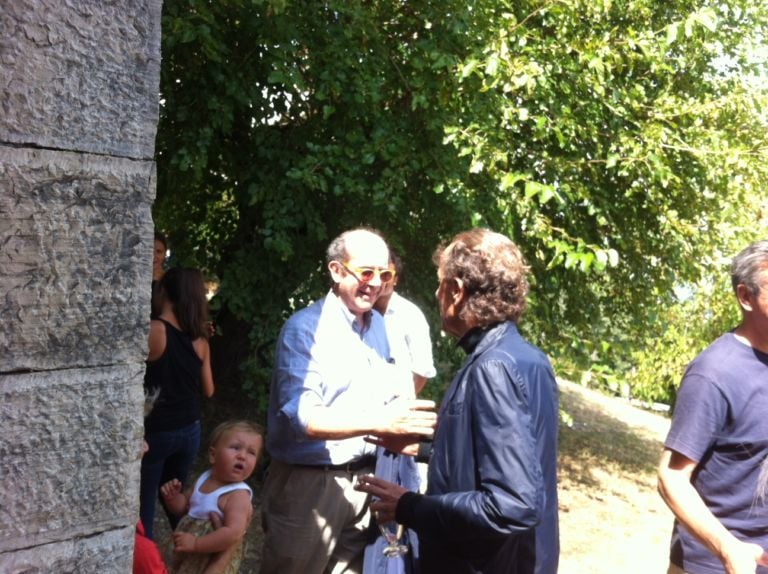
(185, 290)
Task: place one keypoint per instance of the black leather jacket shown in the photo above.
(491, 501)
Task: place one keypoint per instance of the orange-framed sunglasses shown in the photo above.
(366, 274)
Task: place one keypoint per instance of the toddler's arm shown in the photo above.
(175, 501)
(236, 508)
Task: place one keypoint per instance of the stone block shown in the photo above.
(70, 454)
(105, 553)
(75, 259)
(80, 75)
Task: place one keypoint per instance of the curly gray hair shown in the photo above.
(493, 272)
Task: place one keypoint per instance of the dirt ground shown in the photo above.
(611, 518)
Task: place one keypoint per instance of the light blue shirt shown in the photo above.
(324, 357)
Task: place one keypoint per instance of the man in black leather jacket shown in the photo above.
(491, 500)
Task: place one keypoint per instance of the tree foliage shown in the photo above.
(615, 141)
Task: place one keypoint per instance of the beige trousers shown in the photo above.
(314, 521)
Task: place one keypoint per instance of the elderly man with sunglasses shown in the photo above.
(332, 386)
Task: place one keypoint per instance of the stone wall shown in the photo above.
(79, 98)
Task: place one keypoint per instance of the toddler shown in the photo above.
(200, 549)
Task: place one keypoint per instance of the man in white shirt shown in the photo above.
(407, 328)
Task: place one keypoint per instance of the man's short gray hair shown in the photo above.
(337, 250)
(748, 264)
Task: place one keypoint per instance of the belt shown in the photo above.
(353, 465)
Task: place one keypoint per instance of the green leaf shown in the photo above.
(672, 30)
(476, 167)
(492, 65)
(469, 67)
(707, 17)
(510, 179)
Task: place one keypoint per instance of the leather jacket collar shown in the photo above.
(472, 338)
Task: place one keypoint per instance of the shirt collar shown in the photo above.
(350, 317)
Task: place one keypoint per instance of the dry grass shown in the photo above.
(611, 518)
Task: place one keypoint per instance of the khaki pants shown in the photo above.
(314, 521)
(674, 569)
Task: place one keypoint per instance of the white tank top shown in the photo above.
(201, 504)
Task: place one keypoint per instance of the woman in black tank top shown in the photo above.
(179, 373)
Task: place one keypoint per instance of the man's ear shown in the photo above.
(458, 291)
(336, 271)
(744, 296)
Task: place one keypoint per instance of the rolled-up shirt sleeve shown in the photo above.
(300, 383)
(323, 361)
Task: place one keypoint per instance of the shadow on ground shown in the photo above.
(600, 439)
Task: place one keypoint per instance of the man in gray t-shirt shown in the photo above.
(709, 469)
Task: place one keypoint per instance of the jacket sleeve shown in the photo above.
(508, 491)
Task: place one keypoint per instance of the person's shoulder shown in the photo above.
(302, 329)
(157, 338)
(306, 315)
(508, 345)
(718, 368)
(401, 302)
(511, 360)
(241, 488)
(522, 356)
(511, 336)
(237, 494)
(720, 354)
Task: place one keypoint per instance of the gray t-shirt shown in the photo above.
(721, 421)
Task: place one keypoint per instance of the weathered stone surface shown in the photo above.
(106, 553)
(78, 115)
(70, 452)
(75, 259)
(80, 75)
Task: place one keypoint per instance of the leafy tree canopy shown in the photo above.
(621, 143)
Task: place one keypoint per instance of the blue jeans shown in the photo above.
(171, 455)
